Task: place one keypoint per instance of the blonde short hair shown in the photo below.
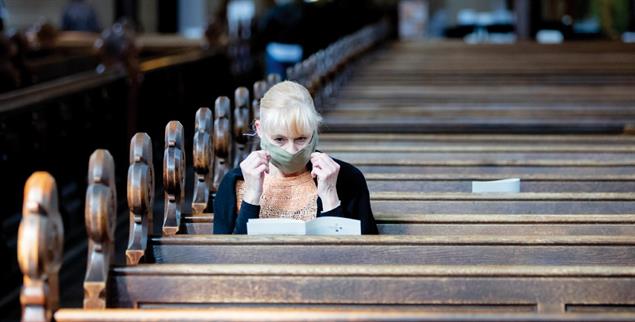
(288, 106)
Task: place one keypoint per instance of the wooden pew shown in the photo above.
(398, 250)
(600, 177)
(203, 160)
(401, 207)
(376, 292)
(554, 287)
(140, 196)
(414, 291)
(40, 248)
(101, 204)
(552, 275)
(456, 88)
(419, 213)
(322, 313)
(477, 224)
(543, 289)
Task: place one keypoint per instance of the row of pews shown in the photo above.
(44, 126)
(561, 250)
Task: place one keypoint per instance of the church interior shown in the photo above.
(494, 139)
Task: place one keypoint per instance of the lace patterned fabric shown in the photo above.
(285, 197)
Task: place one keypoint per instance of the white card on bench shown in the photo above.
(318, 226)
(333, 226)
(505, 185)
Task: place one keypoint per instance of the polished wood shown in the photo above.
(140, 194)
(222, 140)
(242, 125)
(324, 313)
(203, 160)
(173, 177)
(260, 88)
(538, 288)
(40, 248)
(387, 182)
(524, 256)
(471, 250)
(101, 217)
(475, 141)
(390, 204)
(459, 88)
(478, 224)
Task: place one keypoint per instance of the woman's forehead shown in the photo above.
(289, 134)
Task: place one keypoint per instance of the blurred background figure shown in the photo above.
(78, 15)
(282, 29)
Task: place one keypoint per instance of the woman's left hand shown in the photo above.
(326, 171)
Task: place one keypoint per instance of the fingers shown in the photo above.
(255, 158)
(256, 163)
(263, 155)
(262, 168)
(323, 166)
(323, 161)
(319, 173)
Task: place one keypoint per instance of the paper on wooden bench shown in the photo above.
(318, 226)
(506, 185)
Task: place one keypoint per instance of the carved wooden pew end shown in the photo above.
(40, 248)
(140, 193)
(243, 119)
(203, 159)
(173, 177)
(222, 140)
(100, 215)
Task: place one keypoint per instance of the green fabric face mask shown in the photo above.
(286, 162)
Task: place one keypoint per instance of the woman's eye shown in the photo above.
(278, 140)
(302, 139)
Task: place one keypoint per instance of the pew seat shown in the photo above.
(525, 288)
(403, 250)
(474, 224)
(321, 313)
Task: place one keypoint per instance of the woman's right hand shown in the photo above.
(254, 168)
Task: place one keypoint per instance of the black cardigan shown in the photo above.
(351, 189)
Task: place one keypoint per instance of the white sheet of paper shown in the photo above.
(318, 226)
(275, 226)
(506, 185)
(333, 226)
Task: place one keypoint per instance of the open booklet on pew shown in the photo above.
(318, 226)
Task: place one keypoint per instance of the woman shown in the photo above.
(288, 177)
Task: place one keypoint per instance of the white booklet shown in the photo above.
(506, 185)
(318, 226)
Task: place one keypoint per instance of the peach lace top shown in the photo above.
(285, 197)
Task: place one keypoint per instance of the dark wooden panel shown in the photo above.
(525, 186)
(549, 288)
(276, 312)
(403, 250)
(488, 158)
(502, 207)
(509, 229)
(462, 142)
(476, 224)
(476, 171)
